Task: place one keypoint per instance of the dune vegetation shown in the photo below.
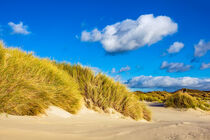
(29, 85)
(183, 98)
(198, 94)
(100, 91)
(154, 96)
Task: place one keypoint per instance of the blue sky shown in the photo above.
(78, 32)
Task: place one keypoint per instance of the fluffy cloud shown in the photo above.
(19, 28)
(175, 67)
(205, 66)
(123, 69)
(201, 48)
(169, 83)
(92, 36)
(132, 34)
(175, 47)
(113, 70)
(96, 69)
(118, 78)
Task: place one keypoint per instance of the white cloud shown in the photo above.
(201, 48)
(175, 67)
(96, 70)
(123, 69)
(132, 34)
(169, 83)
(92, 36)
(205, 66)
(113, 70)
(175, 47)
(19, 28)
(118, 78)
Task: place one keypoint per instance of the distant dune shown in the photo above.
(182, 98)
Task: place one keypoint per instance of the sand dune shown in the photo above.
(167, 124)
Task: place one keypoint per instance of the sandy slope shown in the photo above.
(167, 124)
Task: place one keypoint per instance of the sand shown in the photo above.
(167, 124)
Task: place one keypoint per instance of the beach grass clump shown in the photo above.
(204, 105)
(198, 94)
(103, 92)
(29, 85)
(181, 100)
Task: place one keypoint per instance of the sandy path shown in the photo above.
(167, 124)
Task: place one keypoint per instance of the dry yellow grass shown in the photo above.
(181, 100)
(103, 92)
(29, 85)
(175, 99)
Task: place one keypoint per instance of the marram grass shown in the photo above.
(103, 92)
(29, 85)
(181, 100)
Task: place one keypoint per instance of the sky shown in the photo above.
(148, 45)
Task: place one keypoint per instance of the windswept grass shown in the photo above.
(174, 99)
(199, 95)
(103, 92)
(181, 100)
(28, 85)
(202, 97)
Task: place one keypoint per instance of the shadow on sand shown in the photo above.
(156, 104)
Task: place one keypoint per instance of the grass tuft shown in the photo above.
(181, 100)
(28, 85)
(103, 92)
